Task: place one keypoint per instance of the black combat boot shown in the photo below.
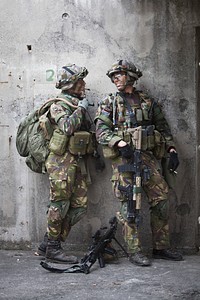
(168, 254)
(43, 245)
(139, 259)
(54, 253)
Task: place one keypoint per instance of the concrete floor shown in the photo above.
(22, 277)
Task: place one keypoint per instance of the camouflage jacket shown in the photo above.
(114, 113)
(68, 118)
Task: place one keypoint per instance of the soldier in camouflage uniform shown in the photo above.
(66, 170)
(116, 113)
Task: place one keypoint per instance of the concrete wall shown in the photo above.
(159, 36)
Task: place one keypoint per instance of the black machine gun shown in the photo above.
(133, 192)
(99, 247)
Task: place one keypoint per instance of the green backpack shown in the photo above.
(33, 136)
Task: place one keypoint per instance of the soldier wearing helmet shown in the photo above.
(117, 114)
(65, 164)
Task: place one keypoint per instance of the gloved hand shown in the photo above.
(126, 151)
(99, 164)
(173, 161)
(83, 103)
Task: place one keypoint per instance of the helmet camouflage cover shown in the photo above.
(69, 75)
(123, 65)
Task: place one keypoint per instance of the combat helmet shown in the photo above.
(69, 75)
(129, 68)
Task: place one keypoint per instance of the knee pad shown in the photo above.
(75, 214)
(58, 210)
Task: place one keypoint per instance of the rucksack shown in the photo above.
(33, 136)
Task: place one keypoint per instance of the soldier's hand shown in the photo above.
(99, 164)
(126, 151)
(173, 161)
(83, 103)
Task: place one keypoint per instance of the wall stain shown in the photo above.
(183, 209)
(183, 104)
(182, 125)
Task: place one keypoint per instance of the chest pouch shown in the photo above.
(139, 115)
(58, 142)
(145, 111)
(120, 109)
(80, 143)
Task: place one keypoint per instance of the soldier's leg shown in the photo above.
(130, 232)
(157, 191)
(62, 172)
(78, 204)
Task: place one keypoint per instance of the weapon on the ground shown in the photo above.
(133, 192)
(99, 247)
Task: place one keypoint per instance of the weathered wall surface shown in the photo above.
(159, 36)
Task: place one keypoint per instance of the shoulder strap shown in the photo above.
(50, 101)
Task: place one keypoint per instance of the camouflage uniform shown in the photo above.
(69, 143)
(114, 110)
(68, 186)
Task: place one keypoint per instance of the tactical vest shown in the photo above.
(125, 116)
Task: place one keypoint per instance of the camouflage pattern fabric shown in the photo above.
(151, 114)
(69, 119)
(156, 188)
(68, 186)
(68, 194)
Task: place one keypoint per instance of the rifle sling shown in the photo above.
(73, 269)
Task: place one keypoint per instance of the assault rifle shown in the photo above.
(133, 192)
(99, 247)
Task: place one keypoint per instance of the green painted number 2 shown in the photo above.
(50, 75)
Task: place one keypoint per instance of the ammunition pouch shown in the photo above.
(58, 142)
(81, 143)
(152, 141)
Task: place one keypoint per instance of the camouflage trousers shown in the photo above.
(156, 190)
(68, 195)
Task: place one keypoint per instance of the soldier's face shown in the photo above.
(119, 79)
(79, 89)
